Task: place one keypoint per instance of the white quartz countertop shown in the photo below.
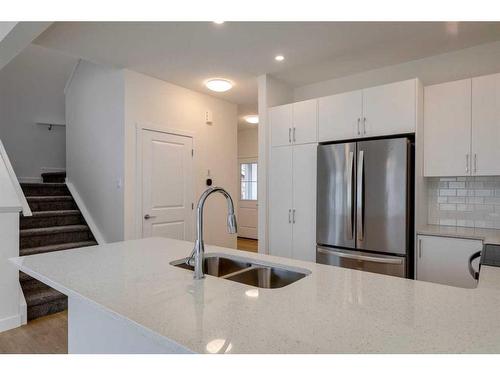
(491, 236)
(332, 310)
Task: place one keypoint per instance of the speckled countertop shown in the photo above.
(491, 236)
(333, 310)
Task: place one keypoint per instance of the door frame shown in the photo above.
(244, 160)
(139, 129)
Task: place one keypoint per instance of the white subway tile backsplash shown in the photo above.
(464, 201)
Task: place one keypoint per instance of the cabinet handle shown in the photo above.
(364, 125)
(420, 248)
(475, 163)
(289, 216)
(293, 135)
(359, 120)
(289, 135)
(466, 163)
(293, 215)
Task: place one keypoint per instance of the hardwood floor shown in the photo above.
(247, 244)
(47, 335)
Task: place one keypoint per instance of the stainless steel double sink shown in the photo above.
(247, 271)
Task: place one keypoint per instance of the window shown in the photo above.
(248, 172)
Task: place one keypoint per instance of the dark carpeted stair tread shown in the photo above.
(43, 189)
(53, 230)
(53, 177)
(56, 213)
(51, 203)
(51, 218)
(58, 247)
(41, 295)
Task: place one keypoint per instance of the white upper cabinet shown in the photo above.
(485, 153)
(281, 123)
(447, 129)
(305, 120)
(390, 109)
(339, 116)
(295, 123)
(376, 111)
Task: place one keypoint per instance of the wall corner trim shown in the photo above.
(86, 214)
(70, 79)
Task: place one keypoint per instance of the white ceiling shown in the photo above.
(187, 53)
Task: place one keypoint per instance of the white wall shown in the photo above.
(474, 61)
(95, 144)
(32, 90)
(248, 143)
(167, 106)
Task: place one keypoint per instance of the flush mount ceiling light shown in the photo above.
(218, 84)
(279, 57)
(218, 22)
(252, 119)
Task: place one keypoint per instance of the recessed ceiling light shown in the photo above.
(218, 84)
(279, 58)
(252, 119)
(218, 22)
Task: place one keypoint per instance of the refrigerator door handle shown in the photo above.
(365, 258)
(349, 191)
(359, 197)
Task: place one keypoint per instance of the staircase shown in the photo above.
(57, 224)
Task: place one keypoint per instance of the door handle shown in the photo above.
(294, 135)
(289, 216)
(466, 163)
(359, 120)
(475, 163)
(420, 248)
(148, 216)
(293, 216)
(364, 258)
(289, 135)
(350, 170)
(364, 125)
(359, 197)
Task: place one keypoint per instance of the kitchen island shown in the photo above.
(126, 297)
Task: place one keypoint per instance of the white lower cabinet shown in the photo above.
(444, 260)
(292, 202)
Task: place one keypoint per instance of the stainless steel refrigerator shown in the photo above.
(365, 205)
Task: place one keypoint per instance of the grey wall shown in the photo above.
(95, 143)
(31, 91)
(475, 61)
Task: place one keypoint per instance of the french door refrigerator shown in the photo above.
(365, 205)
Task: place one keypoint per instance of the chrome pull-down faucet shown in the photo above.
(197, 255)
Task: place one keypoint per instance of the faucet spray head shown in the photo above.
(232, 226)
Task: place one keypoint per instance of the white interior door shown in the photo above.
(167, 185)
(247, 207)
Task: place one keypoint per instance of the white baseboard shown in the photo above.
(10, 322)
(29, 179)
(81, 205)
(23, 307)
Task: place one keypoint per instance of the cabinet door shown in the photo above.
(339, 116)
(280, 122)
(445, 260)
(305, 122)
(304, 202)
(486, 125)
(390, 109)
(280, 201)
(447, 129)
